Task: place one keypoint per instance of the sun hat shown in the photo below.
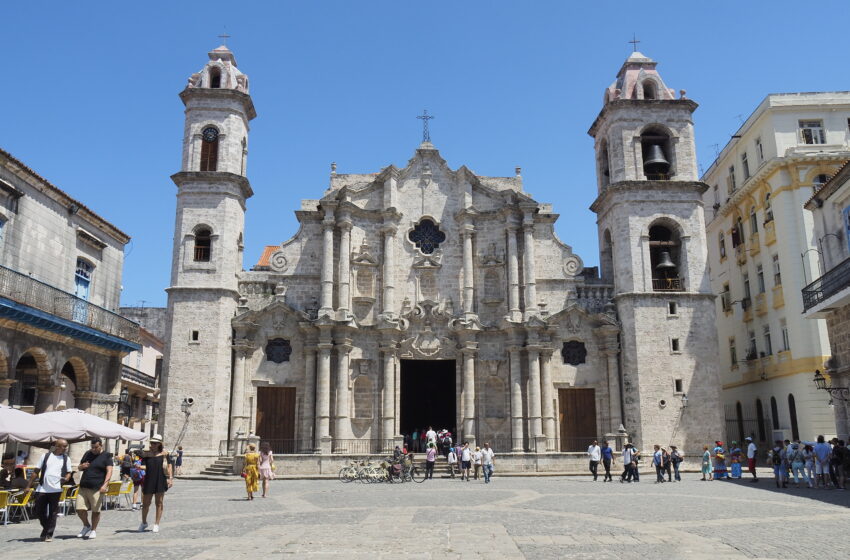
(156, 439)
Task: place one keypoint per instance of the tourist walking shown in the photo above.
(798, 465)
(706, 463)
(178, 462)
(752, 452)
(96, 467)
(841, 456)
(431, 436)
(451, 459)
(267, 467)
(54, 471)
(720, 472)
(159, 476)
(137, 475)
(777, 459)
(476, 462)
(658, 463)
(823, 452)
(430, 459)
(735, 460)
(250, 471)
(126, 465)
(465, 460)
(665, 461)
(607, 455)
(809, 458)
(628, 463)
(594, 454)
(487, 462)
(676, 459)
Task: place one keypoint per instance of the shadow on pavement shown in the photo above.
(768, 484)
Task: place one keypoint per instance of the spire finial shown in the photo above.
(224, 37)
(634, 42)
(426, 134)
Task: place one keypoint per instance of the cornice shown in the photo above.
(221, 93)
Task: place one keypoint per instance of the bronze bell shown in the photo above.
(655, 162)
(666, 262)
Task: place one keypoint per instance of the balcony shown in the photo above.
(138, 377)
(770, 232)
(754, 244)
(778, 297)
(25, 299)
(667, 285)
(747, 307)
(761, 304)
(741, 254)
(829, 292)
(657, 176)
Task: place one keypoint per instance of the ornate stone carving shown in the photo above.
(278, 262)
(572, 266)
(278, 350)
(492, 257)
(574, 352)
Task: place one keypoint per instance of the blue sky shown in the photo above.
(90, 94)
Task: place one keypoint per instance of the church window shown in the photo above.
(215, 77)
(774, 411)
(203, 245)
(649, 90)
(209, 149)
(672, 308)
(427, 236)
(196, 336)
(278, 350)
(574, 353)
(674, 345)
(678, 386)
(811, 132)
(604, 164)
(745, 166)
(664, 259)
(656, 149)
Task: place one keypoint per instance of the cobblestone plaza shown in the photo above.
(514, 517)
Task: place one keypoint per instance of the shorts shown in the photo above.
(466, 464)
(751, 464)
(821, 468)
(89, 499)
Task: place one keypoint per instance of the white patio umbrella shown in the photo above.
(92, 426)
(20, 426)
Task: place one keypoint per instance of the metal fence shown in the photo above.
(743, 421)
(363, 446)
(835, 280)
(34, 293)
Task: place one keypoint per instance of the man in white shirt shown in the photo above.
(628, 454)
(54, 470)
(595, 455)
(452, 459)
(751, 457)
(487, 462)
(823, 452)
(430, 436)
(465, 461)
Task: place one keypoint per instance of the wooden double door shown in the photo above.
(276, 417)
(577, 417)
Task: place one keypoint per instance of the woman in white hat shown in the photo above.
(159, 475)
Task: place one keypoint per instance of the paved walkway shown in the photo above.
(510, 518)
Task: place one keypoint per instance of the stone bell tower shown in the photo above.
(207, 254)
(653, 247)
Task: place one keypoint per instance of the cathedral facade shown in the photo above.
(424, 296)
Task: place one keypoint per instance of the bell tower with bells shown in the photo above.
(653, 249)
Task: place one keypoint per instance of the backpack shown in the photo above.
(776, 459)
(65, 469)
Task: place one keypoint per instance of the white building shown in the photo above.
(762, 251)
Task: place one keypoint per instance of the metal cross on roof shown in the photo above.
(224, 37)
(426, 134)
(634, 42)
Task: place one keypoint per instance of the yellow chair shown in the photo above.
(62, 497)
(4, 501)
(126, 492)
(112, 493)
(22, 501)
(70, 500)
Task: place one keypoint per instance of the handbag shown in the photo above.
(244, 474)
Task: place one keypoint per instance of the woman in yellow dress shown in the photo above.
(250, 471)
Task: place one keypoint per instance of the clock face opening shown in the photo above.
(210, 134)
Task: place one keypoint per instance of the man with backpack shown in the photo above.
(55, 469)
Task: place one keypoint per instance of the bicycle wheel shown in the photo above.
(345, 474)
(416, 475)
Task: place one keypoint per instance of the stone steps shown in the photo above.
(223, 466)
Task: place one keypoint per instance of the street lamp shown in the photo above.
(841, 393)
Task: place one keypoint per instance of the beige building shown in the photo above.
(828, 296)
(424, 295)
(140, 375)
(762, 252)
(61, 338)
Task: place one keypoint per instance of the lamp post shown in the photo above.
(840, 393)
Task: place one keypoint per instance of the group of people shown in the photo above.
(55, 471)
(479, 459)
(418, 441)
(257, 467)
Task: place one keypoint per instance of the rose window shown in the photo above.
(427, 236)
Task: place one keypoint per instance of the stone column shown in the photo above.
(323, 397)
(344, 267)
(468, 270)
(343, 394)
(470, 349)
(388, 303)
(644, 282)
(5, 386)
(307, 440)
(83, 400)
(614, 389)
(388, 397)
(326, 302)
(238, 414)
(547, 391)
(46, 400)
(529, 268)
(534, 406)
(517, 436)
(513, 275)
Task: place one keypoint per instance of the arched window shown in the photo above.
(739, 412)
(607, 256)
(760, 420)
(738, 233)
(215, 77)
(754, 222)
(664, 259)
(721, 239)
(203, 245)
(792, 411)
(656, 149)
(768, 211)
(209, 149)
(774, 411)
(649, 91)
(604, 165)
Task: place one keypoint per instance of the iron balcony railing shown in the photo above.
(138, 377)
(44, 297)
(667, 284)
(835, 280)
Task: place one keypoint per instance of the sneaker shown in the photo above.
(155, 528)
(92, 535)
(84, 531)
(143, 527)
(48, 538)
